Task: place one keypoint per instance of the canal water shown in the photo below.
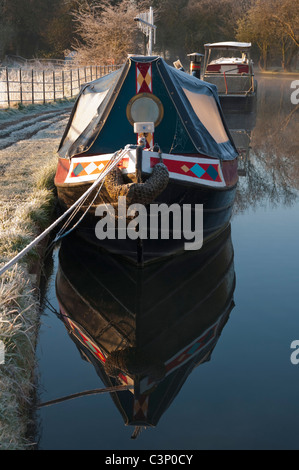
(237, 385)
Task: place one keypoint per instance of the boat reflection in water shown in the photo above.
(149, 327)
(241, 126)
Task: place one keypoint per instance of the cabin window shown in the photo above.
(145, 107)
(205, 107)
(89, 104)
(86, 109)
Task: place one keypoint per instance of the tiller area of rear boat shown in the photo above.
(159, 135)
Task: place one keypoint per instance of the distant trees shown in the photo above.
(19, 26)
(104, 30)
(36, 28)
(58, 30)
(210, 21)
(184, 26)
(273, 25)
(171, 27)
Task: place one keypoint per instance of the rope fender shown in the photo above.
(142, 193)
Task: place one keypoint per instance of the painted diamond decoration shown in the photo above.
(143, 78)
(212, 172)
(197, 170)
(90, 168)
(185, 168)
(78, 169)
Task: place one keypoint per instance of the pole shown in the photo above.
(139, 162)
(150, 41)
(146, 24)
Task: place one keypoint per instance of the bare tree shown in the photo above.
(286, 16)
(273, 25)
(108, 33)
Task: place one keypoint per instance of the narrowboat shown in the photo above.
(228, 66)
(145, 329)
(159, 137)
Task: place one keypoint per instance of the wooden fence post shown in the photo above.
(32, 85)
(90, 74)
(7, 86)
(62, 78)
(71, 83)
(54, 85)
(21, 91)
(44, 87)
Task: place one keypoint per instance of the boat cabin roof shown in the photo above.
(185, 110)
(232, 45)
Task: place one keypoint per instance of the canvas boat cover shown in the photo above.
(192, 119)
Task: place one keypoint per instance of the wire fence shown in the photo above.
(35, 85)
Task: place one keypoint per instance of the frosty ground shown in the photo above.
(28, 156)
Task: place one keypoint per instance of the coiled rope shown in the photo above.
(142, 193)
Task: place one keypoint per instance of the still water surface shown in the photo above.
(246, 395)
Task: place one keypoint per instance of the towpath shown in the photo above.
(28, 141)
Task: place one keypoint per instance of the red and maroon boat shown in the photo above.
(176, 149)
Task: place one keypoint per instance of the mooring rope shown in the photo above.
(97, 391)
(115, 159)
(63, 232)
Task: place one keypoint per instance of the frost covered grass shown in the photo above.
(19, 311)
(18, 109)
(23, 216)
(27, 199)
(20, 225)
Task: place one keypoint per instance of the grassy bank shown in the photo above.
(18, 109)
(27, 200)
(19, 302)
